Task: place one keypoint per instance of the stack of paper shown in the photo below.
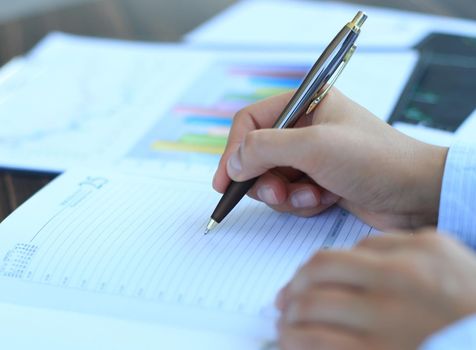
(76, 99)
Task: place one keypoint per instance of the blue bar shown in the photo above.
(276, 82)
(208, 121)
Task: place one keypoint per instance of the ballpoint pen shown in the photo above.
(310, 93)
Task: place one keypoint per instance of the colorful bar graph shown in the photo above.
(200, 122)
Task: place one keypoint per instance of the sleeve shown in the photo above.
(457, 214)
(460, 335)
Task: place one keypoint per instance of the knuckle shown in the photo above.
(319, 259)
(256, 143)
(241, 116)
(291, 339)
(304, 302)
(286, 340)
(250, 141)
(321, 337)
(336, 300)
(310, 271)
(400, 271)
(334, 297)
(432, 241)
(393, 268)
(367, 242)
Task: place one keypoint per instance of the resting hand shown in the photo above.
(390, 292)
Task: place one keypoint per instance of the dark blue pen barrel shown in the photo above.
(233, 194)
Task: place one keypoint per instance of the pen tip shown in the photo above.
(211, 225)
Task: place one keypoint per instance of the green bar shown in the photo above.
(272, 91)
(259, 94)
(204, 140)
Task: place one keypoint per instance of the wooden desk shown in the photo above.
(155, 20)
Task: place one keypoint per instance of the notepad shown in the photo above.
(131, 246)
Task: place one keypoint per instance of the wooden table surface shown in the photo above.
(154, 20)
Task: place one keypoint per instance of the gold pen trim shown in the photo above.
(333, 79)
(357, 22)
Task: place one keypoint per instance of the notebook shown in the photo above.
(127, 250)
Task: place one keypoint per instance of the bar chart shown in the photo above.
(197, 126)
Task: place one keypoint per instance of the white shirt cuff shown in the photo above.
(457, 215)
(460, 335)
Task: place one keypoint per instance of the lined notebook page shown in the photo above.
(141, 238)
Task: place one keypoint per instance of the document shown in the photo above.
(297, 24)
(74, 99)
(110, 244)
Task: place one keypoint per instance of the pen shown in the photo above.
(310, 93)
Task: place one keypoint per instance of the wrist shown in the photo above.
(426, 187)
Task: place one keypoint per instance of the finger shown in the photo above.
(271, 189)
(259, 116)
(266, 149)
(256, 116)
(292, 196)
(335, 306)
(385, 242)
(357, 269)
(322, 337)
(277, 180)
(288, 174)
(303, 198)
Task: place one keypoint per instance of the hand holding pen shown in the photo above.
(340, 153)
(310, 93)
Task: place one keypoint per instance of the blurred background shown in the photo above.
(25, 22)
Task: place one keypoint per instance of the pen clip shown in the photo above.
(333, 79)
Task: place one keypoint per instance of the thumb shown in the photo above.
(266, 149)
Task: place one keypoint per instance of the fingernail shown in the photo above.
(234, 165)
(329, 198)
(304, 199)
(267, 195)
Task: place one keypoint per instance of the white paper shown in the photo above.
(77, 97)
(75, 100)
(131, 247)
(289, 24)
(39, 328)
